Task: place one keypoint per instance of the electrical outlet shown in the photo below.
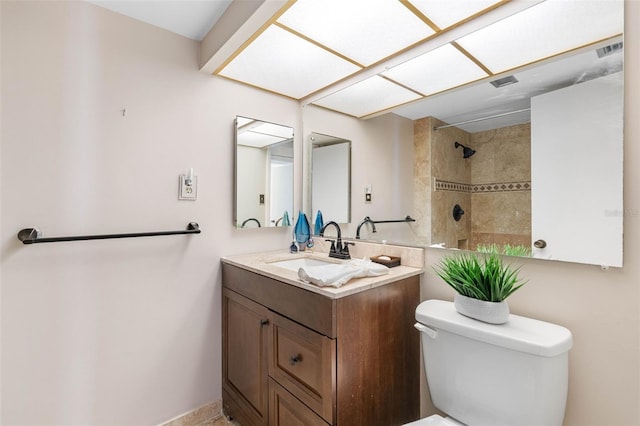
(368, 193)
(188, 192)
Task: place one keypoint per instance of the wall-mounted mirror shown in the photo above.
(330, 178)
(263, 174)
(543, 181)
(496, 186)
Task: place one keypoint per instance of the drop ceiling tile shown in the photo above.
(365, 31)
(544, 30)
(258, 140)
(440, 69)
(445, 13)
(258, 134)
(367, 97)
(284, 63)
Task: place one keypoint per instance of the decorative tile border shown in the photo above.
(479, 188)
(502, 187)
(443, 185)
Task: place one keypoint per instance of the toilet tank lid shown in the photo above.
(519, 333)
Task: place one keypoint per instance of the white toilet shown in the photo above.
(512, 374)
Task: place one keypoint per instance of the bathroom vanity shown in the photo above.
(294, 353)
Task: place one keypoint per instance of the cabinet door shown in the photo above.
(244, 359)
(304, 362)
(287, 410)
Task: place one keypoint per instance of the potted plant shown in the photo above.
(482, 283)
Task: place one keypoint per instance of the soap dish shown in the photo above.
(390, 262)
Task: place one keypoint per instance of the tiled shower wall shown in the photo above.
(492, 187)
(501, 194)
(422, 179)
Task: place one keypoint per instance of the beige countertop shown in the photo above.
(263, 263)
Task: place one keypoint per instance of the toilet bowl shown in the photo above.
(485, 374)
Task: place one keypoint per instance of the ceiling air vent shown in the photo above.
(504, 81)
(609, 50)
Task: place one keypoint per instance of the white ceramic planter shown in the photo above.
(491, 312)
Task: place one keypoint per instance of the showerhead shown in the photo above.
(466, 151)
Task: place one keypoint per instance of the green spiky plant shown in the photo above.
(484, 277)
(507, 249)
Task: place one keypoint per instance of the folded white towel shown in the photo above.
(338, 274)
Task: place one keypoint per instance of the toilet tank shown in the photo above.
(484, 374)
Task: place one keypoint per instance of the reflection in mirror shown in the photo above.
(330, 177)
(495, 118)
(263, 174)
(577, 197)
(547, 184)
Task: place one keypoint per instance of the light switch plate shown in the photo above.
(188, 192)
(368, 193)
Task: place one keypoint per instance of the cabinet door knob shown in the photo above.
(264, 322)
(295, 359)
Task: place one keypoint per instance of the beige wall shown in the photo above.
(117, 332)
(381, 157)
(128, 331)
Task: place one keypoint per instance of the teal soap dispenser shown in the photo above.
(302, 231)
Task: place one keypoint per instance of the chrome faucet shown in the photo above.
(338, 250)
(365, 220)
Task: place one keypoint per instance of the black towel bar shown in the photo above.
(30, 235)
(406, 219)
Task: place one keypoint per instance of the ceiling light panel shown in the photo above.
(367, 97)
(544, 30)
(276, 130)
(481, 99)
(258, 140)
(361, 30)
(284, 63)
(440, 69)
(259, 134)
(445, 13)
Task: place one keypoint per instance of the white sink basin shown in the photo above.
(298, 262)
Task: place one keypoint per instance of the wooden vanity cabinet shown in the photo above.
(287, 410)
(296, 357)
(244, 360)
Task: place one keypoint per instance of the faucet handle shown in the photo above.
(345, 249)
(333, 246)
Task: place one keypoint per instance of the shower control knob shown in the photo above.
(540, 244)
